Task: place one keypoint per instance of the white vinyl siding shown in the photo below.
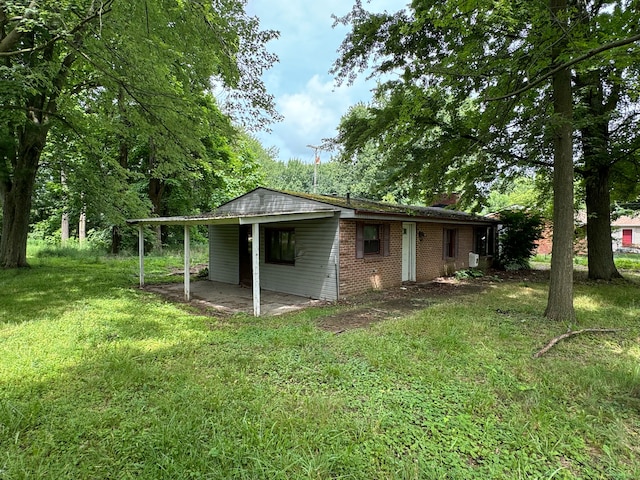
(314, 272)
(224, 253)
(618, 239)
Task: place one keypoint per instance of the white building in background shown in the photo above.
(625, 232)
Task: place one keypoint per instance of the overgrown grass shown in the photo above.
(101, 380)
(623, 261)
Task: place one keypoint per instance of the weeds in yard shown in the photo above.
(101, 380)
(468, 273)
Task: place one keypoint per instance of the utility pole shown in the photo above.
(315, 166)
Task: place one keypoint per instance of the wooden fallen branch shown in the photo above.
(572, 333)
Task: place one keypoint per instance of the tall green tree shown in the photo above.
(472, 89)
(524, 192)
(607, 110)
(361, 177)
(293, 175)
(153, 59)
(108, 189)
(560, 302)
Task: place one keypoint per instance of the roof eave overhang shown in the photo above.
(234, 220)
(365, 215)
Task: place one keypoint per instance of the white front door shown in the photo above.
(408, 252)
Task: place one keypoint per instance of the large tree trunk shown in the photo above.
(560, 300)
(16, 194)
(156, 192)
(17, 182)
(597, 168)
(600, 250)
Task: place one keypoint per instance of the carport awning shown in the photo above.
(253, 220)
(235, 219)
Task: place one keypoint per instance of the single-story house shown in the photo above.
(625, 233)
(329, 247)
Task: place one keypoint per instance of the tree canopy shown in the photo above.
(116, 78)
(475, 92)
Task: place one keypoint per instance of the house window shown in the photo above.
(280, 245)
(484, 241)
(627, 237)
(450, 243)
(371, 239)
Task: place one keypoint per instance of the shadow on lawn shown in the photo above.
(47, 290)
(126, 411)
(146, 398)
(189, 407)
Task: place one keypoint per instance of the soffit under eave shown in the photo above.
(417, 219)
(235, 220)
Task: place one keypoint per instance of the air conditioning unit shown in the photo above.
(473, 259)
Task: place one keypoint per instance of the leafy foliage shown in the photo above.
(433, 123)
(363, 177)
(518, 236)
(122, 90)
(476, 93)
(523, 192)
(468, 273)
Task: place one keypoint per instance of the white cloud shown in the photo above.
(310, 115)
(304, 90)
(315, 108)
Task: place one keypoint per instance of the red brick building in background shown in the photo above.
(625, 235)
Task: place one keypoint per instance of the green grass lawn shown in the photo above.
(629, 262)
(99, 379)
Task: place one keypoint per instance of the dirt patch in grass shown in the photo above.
(396, 302)
(361, 311)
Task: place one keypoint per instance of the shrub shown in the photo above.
(469, 273)
(518, 236)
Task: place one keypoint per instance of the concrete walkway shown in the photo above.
(234, 298)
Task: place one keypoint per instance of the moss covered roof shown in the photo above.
(374, 207)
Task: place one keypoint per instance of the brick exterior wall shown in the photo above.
(430, 263)
(544, 244)
(359, 275)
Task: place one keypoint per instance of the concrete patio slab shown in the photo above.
(231, 299)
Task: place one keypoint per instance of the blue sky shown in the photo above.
(304, 90)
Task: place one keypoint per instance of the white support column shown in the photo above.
(187, 263)
(255, 263)
(141, 252)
